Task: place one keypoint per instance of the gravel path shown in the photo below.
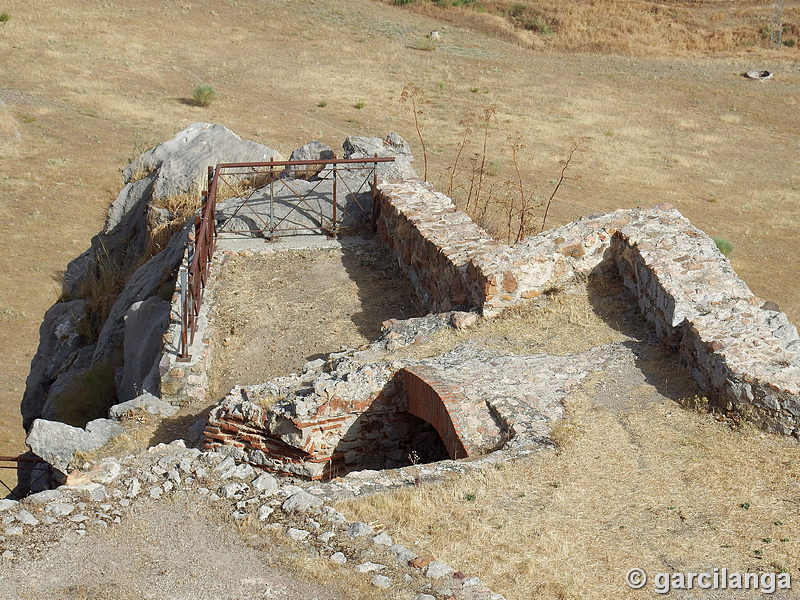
(172, 550)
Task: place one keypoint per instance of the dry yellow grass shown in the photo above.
(637, 27)
(658, 487)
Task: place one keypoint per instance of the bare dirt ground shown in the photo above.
(273, 313)
(166, 550)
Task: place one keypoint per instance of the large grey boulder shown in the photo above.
(59, 341)
(57, 442)
(314, 150)
(356, 146)
(183, 161)
(147, 403)
(144, 323)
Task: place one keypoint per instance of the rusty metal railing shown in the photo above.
(231, 179)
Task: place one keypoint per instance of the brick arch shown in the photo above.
(434, 401)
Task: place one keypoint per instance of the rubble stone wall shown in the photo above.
(744, 354)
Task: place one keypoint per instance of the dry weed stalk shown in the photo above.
(466, 122)
(488, 113)
(577, 145)
(411, 93)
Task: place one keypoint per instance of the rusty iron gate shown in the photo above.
(245, 181)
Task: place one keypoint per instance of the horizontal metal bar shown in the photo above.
(306, 163)
(29, 459)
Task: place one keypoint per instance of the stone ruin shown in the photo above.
(366, 409)
(372, 408)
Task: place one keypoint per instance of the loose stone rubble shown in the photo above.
(102, 494)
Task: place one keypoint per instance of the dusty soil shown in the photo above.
(273, 313)
(77, 105)
(166, 550)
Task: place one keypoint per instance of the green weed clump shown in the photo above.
(203, 95)
(4, 17)
(723, 245)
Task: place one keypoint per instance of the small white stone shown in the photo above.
(381, 581)
(264, 512)
(338, 558)
(326, 537)
(382, 539)
(297, 534)
(370, 567)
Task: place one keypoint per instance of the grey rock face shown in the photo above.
(313, 150)
(57, 443)
(147, 403)
(145, 323)
(59, 341)
(182, 162)
(144, 283)
(356, 146)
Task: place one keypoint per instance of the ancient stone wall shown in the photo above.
(745, 356)
(433, 241)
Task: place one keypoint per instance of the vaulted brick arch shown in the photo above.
(433, 401)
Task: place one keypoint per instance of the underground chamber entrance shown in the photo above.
(401, 440)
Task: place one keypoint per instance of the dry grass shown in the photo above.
(659, 487)
(636, 27)
(556, 323)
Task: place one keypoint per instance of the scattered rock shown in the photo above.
(44, 497)
(60, 509)
(57, 443)
(7, 504)
(27, 518)
(370, 567)
(382, 539)
(146, 403)
(402, 554)
(338, 558)
(381, 581)
(357, 529)
(301, 501)
(265, 483)
(437, 570)
(264, 512)
(297, 534)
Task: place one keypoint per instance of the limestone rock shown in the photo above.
(144, 323)
(393, 145)
(57, 443)
(181, 163)
(381, 581)
(146, 403)
(265, 483)
(59, 340)
(301, 502)
(338, 558)
(297, 534)
(314, 150)
(358, 529)
(437, 570)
